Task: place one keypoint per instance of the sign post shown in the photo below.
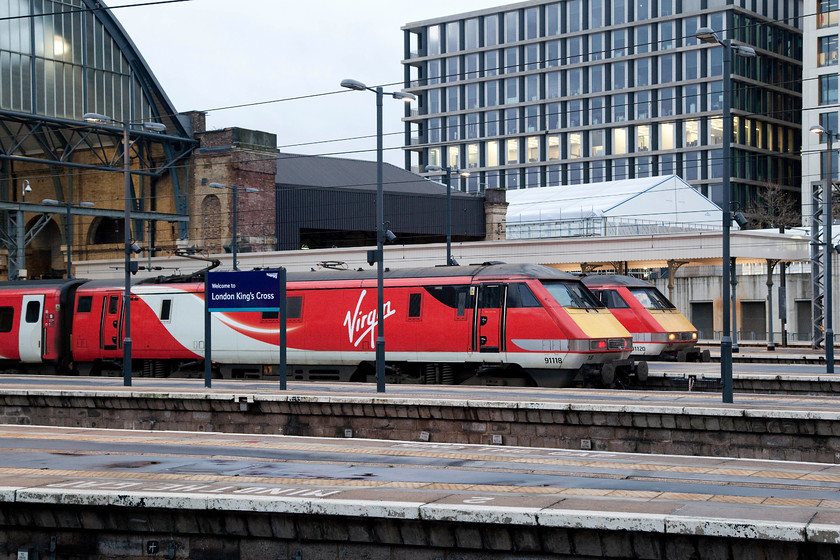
(258, 290)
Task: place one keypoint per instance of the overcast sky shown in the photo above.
(210, 54)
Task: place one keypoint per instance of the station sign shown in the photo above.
(257, 290)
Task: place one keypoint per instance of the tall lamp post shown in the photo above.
(153, 127)
(707, 35)
(828, 247)
(447, 174)
(235, 190)
(380, 223)
(68, 228)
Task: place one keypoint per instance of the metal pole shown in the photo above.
(733, 299)
(20, 243)
(282, 329)
(726, 340)
(127, 239)
(208, 334)
(235, 213)
(68, 233)
(380, 221)
(448, 216)
(828, 248)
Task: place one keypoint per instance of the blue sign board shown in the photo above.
(244, 291)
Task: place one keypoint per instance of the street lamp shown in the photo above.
(235, 189)
(828, 248)
(447, 173)
(154, 127)
(380, 223)
(68, 229)
(707, 35)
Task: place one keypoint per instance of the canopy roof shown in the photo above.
(666, 199)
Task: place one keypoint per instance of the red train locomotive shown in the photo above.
(659, 329)
(486, 324)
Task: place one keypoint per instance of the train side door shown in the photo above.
(490, 318)
(30, 338)
(110, 338)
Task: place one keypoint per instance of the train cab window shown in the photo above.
(462, 303)
(85, 304)
(166, 310)
(651, 298)
(611, 299)
(490, 296)
(7, 315)
(33, 312)
(414, 301)
(113, 305)
(571, 294)
(520, 295)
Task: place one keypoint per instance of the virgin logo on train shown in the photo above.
(360, 324)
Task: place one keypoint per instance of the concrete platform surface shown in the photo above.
(733, 498)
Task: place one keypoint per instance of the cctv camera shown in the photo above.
(740, 220)
(389, 235)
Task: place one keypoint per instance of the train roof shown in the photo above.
(39, 284)
(614, 279)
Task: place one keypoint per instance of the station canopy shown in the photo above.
(664, 204)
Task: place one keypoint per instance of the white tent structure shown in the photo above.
(665, 204)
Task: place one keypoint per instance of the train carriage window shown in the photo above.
(165, 310)
(85, 304)
(414, 307)
(490, 296)
(33, 312)
(462, 303)
(7, 315)
(520, 295)
(611, 299)
(113, 305)
(294, 310)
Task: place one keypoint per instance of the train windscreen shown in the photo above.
(651, 298)
(571, 294)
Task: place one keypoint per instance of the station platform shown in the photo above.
(130, 494)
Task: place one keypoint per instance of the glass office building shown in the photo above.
(545, 93)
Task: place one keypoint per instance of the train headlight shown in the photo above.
(672, 336)
(694, 336)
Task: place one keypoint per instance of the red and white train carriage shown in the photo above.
(494, 324)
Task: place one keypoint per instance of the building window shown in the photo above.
(596, 46)
(575, 173)
(666, 35)
(433, 71)
(692, 133)
(453, 69)
(827, 50)
(491, 123)
(619, 141)
(454, 156)
(666, 8)
(471, 91)
(532, 144)
(491, 30)
(596, 14)
(491, 93)
(511, 121)
(552, 53)
(598, 171)
(473, 125)
(642, 37)
(574, 21)
(644, 167)
(828, 89)
(434, 130)
(619, 78)
(691, 166)
(667, 136)
(643, 105)
(691, 97)
(434, 101)
(453, 37)
(511, 27)
(492, 154)
(552, 116)
(471, 66)
(512, 179)
(532, 177)
(827, 13)
(434, 156)
(619, 14)
(596, 78)
(471, 34)
(619, 42)
(666, 69)
(575, 110)
(716, 130)
(643, 138)
(620, 168)
(532, 23)
(552, 85)
(512, 151)
(553, 151)
(667, 101)
(511, 60)
(575, 81)
(453, 98)
(691, 65)
(619, 108)
(532, 87)
(532, 57)
(452, 129)
(512, 90)
(667, 164)
(532, 118)
(433, 39)
(642, 72)
(472, 155)
(829, 122)
(596, 110)
(596, 143)
(552, 19)
(574, 50)
(575, 145)
(552, 176)
(491, 63)
(716, 96)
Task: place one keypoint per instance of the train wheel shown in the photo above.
(642, 372)
(705, 356)
(607, 375)
(682, 356)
